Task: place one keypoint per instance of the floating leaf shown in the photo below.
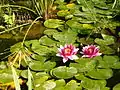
(47, 41)
(49, 65)
(39, 81)
(72, 85)
(74, 24)
(36, 66)
(106, 49)
(90, 84)
(6, 76)
(108, 61)
(108, 40)
(116, 87)
(39, 57)
(116, 65)
(42, 50)
(50, 32)
(64, 72)
(63, 13)
(60, 82)
(53, 23)
(84, 64)
(49, 85)
(65, 37)
(100, 73)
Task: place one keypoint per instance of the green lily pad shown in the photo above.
(90, 84)
(72, 85)
(41, 66)
(16, 47)
(49, 85)
(64, 72)
(107, 40)
(60, 82)
(40, 74)
(50, 32)
(74, 24)
(47, 41)
(108, 61)
(106, 49)
(6, 75)
(116, 87)
(41, 50)
(81, 28)
(100, 73)
(80, 76)
(116, 65)
(66, 37)
(38, 82)
(39, 57)
(53, 23)
(49, 65)
(36, 66)
(84, 64)
(63, 13)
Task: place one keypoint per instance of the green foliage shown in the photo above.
(53, 23)
(116, 87)
(81, 23)
(64, 72)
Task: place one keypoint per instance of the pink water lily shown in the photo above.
(67, 52)
(91, 51)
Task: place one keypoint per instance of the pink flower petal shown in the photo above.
(90, 51)
(67, 52)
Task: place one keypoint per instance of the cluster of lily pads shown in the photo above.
(77, 51)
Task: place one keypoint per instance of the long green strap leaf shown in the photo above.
(15, 78)
(29, 80)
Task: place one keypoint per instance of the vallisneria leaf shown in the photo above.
(15, 78)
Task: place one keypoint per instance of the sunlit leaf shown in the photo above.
(84, 65)
(116, 87)
(53, 23)
(100, 73)
(64, 72)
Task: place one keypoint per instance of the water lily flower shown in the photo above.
(67, 52)
(91, 51)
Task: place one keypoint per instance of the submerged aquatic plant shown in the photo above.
(90, 51)
(67, 52)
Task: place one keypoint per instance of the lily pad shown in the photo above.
(64, 72)
(66, 37)
(90, 84)
(72, 85)
(49, 85)
(47, 41)
(50, 32)
(53, 23)
(108, 61)
(36, 66)
(100, 73)
(6, 76)
(84, 64)
(107, 40)
(60, 82)
(116, 87)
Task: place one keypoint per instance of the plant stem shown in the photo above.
(29, 29)
(14, 28)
